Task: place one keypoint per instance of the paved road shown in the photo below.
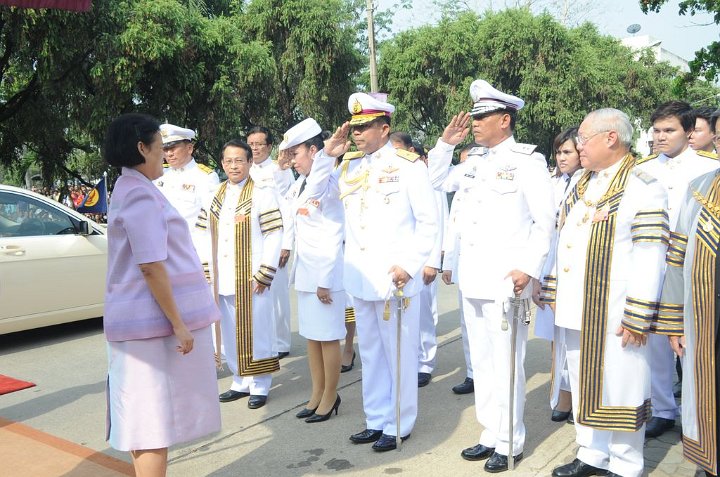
(68, 364)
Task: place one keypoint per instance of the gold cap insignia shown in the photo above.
(357, 107)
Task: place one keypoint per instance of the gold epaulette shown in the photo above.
(349, 156)
(165, 165)
(643, 176)
(710, 155)
(205, 169)
(645, 159)
(407, 155)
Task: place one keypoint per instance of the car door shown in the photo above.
(47, 269)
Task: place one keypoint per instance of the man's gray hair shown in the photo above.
(611, 119)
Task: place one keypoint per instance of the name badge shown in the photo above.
(189, 187)
(505, 175)
(387, 179)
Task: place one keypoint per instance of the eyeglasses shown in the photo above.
(581, 141)
(235, 162)
(257, 144)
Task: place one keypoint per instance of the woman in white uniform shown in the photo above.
(317, 272)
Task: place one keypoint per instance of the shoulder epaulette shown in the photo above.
(645, 159)
(206, 169)
(165, 165)
(353, 155)
(407, 155)
(711, 155)
(643, 176)
(523, 148)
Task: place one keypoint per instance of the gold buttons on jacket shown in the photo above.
(566, 269)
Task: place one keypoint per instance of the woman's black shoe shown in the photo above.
(344, 368)
(560, 416)
(325, 417)
(305, 412)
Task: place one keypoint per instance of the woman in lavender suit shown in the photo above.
(162, 387)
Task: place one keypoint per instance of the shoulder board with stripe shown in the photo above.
(711, 155)
(645, 159)
(205, 169)
(353, 155)
(524, 148)
(165, 165)
(407, 155)
(643, 176)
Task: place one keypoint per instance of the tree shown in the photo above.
(707, 59)
(561, 73)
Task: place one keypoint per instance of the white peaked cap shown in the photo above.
(301, 132)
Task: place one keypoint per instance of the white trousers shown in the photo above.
(464, 336)
(490, 351)
(662, 372)
(377, 340)
(618, 451)
(263, 339)
(428, 320)
(281, 302)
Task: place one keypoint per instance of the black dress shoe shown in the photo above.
(577, 468)
(283, 354)
(478, 452)
(305, 413)
(560, 416)
(231, 395)
(466, 387)
(571, 419)
(656, 426)
(345, 368)
(365, 437)
(256, 401)
(325, 417)
(499, 463)
(424, 379)
(387, 442)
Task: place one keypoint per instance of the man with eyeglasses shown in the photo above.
(280, 177)
(604, 288)
(675, 166)
(504, 228)
(390, 229)
(244, 224)
(185, 183)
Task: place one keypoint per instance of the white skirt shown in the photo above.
(319, 321)
(158, 397)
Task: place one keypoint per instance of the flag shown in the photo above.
(76, 5)
(95, 202)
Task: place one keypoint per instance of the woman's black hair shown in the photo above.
(122, 137)
(569, 134)
(316, 141)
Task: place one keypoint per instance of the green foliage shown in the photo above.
(561, 73)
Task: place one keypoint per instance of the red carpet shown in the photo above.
(8, 384)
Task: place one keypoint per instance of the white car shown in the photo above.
(53, 262)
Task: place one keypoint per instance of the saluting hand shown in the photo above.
(456, 131)
(284, 161)
(631, 337)
(186, 339)
(338, 144)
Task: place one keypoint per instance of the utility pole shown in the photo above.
(371, 41)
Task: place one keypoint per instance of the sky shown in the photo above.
(682, 35)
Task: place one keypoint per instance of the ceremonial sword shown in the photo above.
(518, 310)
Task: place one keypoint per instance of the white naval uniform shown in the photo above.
(187, 189)
(509, 186)
(675, 174)
(428, 295)
(544, 317)
(390, 219)
(319, 229)
(451, 244)
(268, 172)
(265, 251)
(612, 395)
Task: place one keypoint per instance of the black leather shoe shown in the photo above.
(571, 419)
(305, 413)
(560, 416)
(424, 379)
(283, 354)
(499, 463)
(324, 417)
(478, 452)
(656, 426)
(256, 401)
(577, 468)
(230, 395)
(345, 368)
(365, 437)
(386, 443)
(466, 387)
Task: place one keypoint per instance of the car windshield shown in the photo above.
(22, 216)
